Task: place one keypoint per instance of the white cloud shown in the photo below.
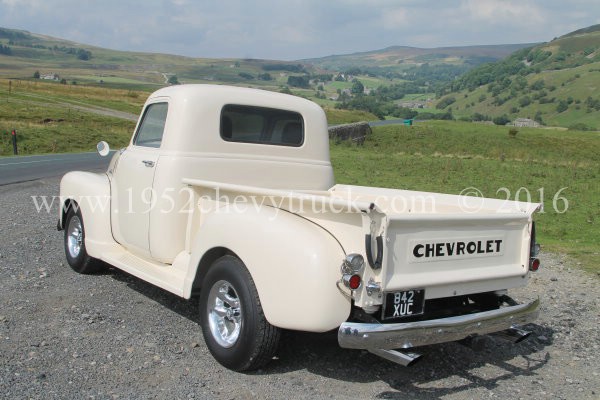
(392, 19)
(499, 12)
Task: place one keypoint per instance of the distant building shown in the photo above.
(525, 123)
(50, 77)
(412, 104)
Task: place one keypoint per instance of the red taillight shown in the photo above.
(352, 281)
(534, 264)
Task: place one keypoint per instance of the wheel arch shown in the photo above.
(205, 263)
(90, 193)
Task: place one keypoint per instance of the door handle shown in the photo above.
(148, 163)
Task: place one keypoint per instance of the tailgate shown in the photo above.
(455, 254)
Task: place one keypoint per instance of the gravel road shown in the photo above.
(64, 335)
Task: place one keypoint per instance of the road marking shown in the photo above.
(33, 162)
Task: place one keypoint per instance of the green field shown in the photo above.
(448, 157)
(49, 117)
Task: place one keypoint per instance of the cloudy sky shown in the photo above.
(295, 29)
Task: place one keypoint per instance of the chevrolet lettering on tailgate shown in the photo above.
(428, 250)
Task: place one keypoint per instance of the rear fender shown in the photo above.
(294, 263)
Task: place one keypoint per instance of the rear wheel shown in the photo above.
(233, 323)
(74, 241)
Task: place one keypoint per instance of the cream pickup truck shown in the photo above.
(227, 195)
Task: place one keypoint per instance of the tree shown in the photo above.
(83, 54)
(445, 102)
(525, 101)
(357, 87)
(173, 80)
(538, 85)
(246, 75)
(36, 75)
(562, 106)
(501, 120)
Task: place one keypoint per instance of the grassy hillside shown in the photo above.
(556, 83)
(561, 171)
(24, 55)
(54, 118)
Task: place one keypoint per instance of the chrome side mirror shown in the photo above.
(103, 148)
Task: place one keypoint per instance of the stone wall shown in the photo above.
(357, 132)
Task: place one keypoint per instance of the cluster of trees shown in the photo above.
(246, 75)
(284, 67)
(82, 54)
(379, 102)
(302, 81)
(6, 50)
(261, 77)
(374, 105)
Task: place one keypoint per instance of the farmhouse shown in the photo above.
(525, 123)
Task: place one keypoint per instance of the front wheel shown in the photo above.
(233, 323)
(74, 241)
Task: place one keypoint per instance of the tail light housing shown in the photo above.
(351, 269)
(534, 250)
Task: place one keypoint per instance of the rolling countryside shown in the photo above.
(63, 96)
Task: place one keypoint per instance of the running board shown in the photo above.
(165, 276)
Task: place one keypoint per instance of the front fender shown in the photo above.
(91, 194)
(294, 263)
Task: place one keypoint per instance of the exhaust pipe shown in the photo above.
(402, 358)
(513, 334)
(474, 342)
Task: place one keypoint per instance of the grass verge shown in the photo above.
(559, 169)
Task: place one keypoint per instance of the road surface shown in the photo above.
(29, 168)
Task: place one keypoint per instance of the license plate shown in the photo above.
(406, 303)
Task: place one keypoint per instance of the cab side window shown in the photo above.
(151, 129)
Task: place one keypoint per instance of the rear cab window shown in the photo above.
(261, 125)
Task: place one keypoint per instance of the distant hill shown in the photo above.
(402, 57)
(23, 53)
(556, 83)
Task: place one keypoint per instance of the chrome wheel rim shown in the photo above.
(74, 236)
(224, 314)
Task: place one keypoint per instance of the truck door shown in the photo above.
(132, 193)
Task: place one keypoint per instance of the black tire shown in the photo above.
(256, 341)
(77, 256)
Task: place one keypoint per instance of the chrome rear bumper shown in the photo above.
(354, 335)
